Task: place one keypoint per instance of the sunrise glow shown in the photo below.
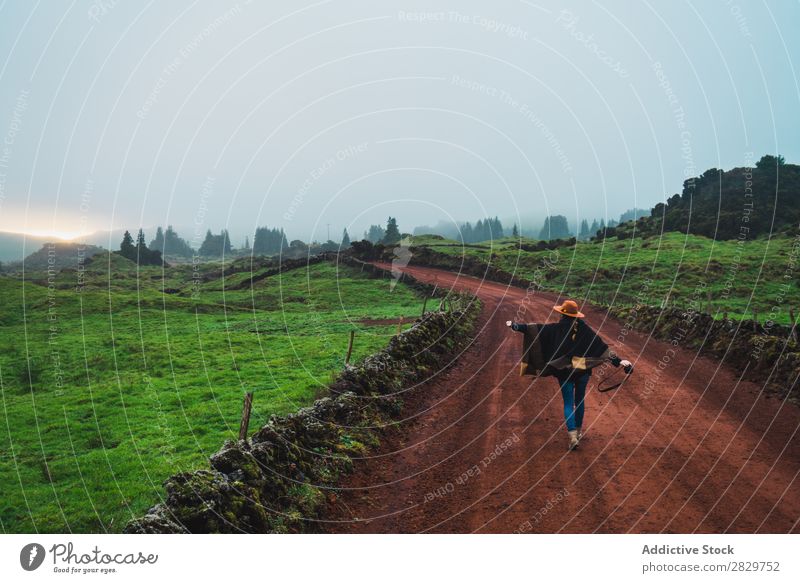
(50, 234)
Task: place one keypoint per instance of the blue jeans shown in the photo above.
(573, 391)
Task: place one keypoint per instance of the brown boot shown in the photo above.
(573, 439)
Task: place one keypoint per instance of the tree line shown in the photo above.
(138, 251)
(266, 241)
(389, 235)
(554, 227)
(273, 241)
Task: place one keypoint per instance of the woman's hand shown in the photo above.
(508, 323)
(627, 365)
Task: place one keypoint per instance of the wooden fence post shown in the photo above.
(400, 325)
(793, 326)
(245, 423)
(424, 305)
(349, 347)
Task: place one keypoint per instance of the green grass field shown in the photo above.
(737, 277)
(109, 390)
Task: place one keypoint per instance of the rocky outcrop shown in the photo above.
(280, 479)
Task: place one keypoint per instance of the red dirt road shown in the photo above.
(683, 446)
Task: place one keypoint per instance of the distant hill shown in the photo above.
(60, 256)
(750, 202)
(14, 246)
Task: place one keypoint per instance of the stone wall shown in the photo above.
(769, 353)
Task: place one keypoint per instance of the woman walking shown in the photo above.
(568, 350)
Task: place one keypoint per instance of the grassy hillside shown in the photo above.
(109, 384)
(759, 274)
(749, 202)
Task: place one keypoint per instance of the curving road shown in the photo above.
(683, 446)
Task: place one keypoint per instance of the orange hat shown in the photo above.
(569, 308)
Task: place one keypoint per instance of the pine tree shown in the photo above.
(158, 242)
(392, 235)
(555, 227)
(268, 241)
(584, 233)
(545, 232)
(127, 248)
(515, 231)
(478, 232)
(142, 252)
(168, 242)
(176, 245)
(345, 239)
(496, 228)
(208, 247)
(467, 235)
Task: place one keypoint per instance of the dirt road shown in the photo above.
(684, 446)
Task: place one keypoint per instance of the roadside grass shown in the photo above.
(106, 392)
(730, 277)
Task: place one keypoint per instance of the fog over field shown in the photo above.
(333, 115)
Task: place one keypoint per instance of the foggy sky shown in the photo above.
(303, 115)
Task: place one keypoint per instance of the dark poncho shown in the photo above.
(548, 350)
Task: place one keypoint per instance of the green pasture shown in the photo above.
(733, 277)
(110, 384)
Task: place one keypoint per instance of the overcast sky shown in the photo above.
(303, 115)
